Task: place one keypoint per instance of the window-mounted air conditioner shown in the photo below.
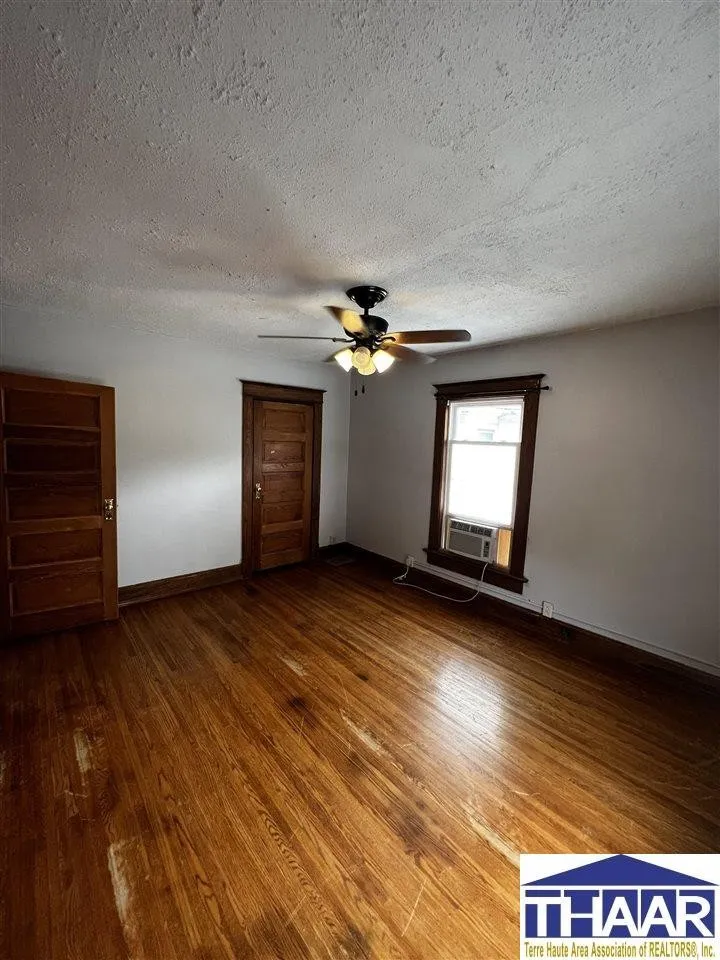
(472, 539)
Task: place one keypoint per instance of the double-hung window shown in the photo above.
(482, 475)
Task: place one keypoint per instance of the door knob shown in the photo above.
(109, 508)
(258, 491)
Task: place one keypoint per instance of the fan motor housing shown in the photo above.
(367, 297)
(377, 327)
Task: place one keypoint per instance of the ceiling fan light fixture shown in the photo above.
(382, 360)
(371, 349)
(362, 357)
(345, 359)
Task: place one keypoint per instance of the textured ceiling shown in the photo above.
(217, 170)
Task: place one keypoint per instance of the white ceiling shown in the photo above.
(219, 170)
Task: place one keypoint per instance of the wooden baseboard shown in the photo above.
(577, 641)
(171, 586)
(333, 549)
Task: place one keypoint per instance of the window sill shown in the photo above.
(468, 567)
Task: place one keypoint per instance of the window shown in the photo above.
(482, 475)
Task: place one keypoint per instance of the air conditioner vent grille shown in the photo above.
(462, 526)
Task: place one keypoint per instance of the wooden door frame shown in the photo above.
(252, 391)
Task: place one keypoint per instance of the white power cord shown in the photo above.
(401, 581)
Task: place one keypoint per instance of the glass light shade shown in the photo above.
(344, 358)
(382, 360)
(361, 357)
(367, 369)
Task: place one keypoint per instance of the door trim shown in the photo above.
(252, 391)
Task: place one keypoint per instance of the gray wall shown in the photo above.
(179, 422)
(624, 517)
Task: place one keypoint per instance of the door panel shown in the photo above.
(283, 452)
(283, 488)
(46, 621)
(275, 542)
(31, 549)
(46, 501)
(46, 408)
(34, 594)
(282, 482)
(288, 421)
(281, 512)
(58, 552)
(43, 457)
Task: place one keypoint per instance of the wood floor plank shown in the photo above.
(320, 764)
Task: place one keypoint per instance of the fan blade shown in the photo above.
(405, 353)
(430, 336)
(280, 336)
(349, 320)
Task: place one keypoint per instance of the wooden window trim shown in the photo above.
(252, 391)
(513, 578)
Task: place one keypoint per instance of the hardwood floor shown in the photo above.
(320, 764)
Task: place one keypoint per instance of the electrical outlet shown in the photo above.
(409, 560)
(332, 540)
(546, 609)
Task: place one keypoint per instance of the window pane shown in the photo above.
(481, 483)
(495, 421)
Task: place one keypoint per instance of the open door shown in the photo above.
(58, 556)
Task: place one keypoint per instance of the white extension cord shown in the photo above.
(402, 581)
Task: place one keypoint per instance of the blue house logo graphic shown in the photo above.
(620, 897)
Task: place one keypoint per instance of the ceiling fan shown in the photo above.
(372, 349)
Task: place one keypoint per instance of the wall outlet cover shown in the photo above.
(546, 609)
(409, 560)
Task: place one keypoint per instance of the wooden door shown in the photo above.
(282, 482)
(58, 557)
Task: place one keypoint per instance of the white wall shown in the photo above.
(179, 434)
(624, 516)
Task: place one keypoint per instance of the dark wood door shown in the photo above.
(282, 482)
(58, 556)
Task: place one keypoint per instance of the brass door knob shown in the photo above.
(258, 491)
(109, 508)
